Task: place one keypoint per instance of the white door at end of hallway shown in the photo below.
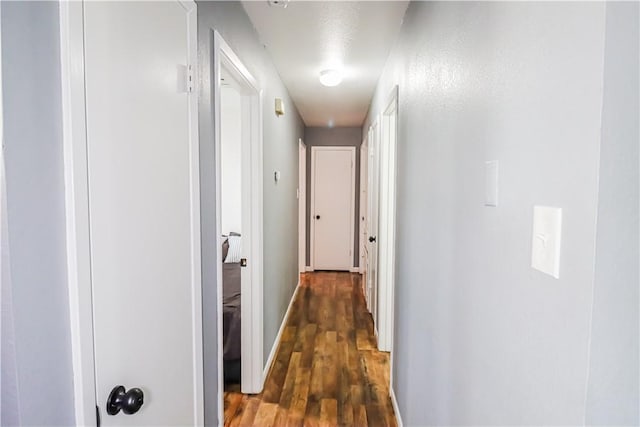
(143, 210)
(332, 207)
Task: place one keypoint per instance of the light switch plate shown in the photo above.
(545, 246)
(491, 183)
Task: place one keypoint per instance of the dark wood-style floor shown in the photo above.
(327, 370)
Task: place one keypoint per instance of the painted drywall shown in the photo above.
(613, 391)
(280, 204)
(480, 338)
(231, 169)
(36, 217)
(338, 137)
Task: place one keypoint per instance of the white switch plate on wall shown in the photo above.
(491, 183)
(547, 233)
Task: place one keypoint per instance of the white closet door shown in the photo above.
(332, 207)
(144, 220)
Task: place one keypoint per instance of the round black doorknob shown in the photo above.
(317, 216)
(128, 402)
(372, 239)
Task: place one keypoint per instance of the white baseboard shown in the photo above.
(274, 348)
(394, 403)
(355, 269)
(309, 269)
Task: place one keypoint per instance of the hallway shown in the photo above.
(327, 370)
(181, 180)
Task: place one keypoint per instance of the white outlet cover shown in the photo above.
(546, 239)
(491, 183)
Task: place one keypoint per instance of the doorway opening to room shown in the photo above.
(237, 106)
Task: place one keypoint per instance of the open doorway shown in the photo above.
(237, 106)
(231, 212)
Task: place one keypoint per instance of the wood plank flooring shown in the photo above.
(327, 371)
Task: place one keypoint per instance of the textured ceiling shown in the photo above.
(310, 36)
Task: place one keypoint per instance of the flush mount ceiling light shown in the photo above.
(330, 77)
(279, 3)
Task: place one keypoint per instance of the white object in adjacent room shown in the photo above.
(545, 247)
(231, 156)
(491, 183)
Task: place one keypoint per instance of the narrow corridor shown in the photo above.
(327, 370)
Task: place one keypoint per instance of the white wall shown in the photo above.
(480, 337)
(280, 203)
(231, 147)
(614, 392)
(36, 218)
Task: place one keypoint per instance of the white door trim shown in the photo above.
(314, 150)
(364, 160)
(2, 191)
(252, 166)
(302, 206)
(77, 213)
(387, 220)
(77, 210)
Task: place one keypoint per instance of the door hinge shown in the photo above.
(190, 79)
(186, 79)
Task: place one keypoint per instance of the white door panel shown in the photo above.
(372, 222)
(333, 182)
(142, 224)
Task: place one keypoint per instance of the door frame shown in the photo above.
(252, 166)
(76, 174)
(314, 150)
(302, 202)
(387, 220)
(364, 191)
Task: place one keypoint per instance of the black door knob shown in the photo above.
(372, 239)
(127, 401)
(317, 216)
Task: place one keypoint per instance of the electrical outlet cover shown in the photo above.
(491, 183)
(545, 246)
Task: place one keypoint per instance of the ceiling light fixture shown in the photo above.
(279, 3)
(330, 77)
